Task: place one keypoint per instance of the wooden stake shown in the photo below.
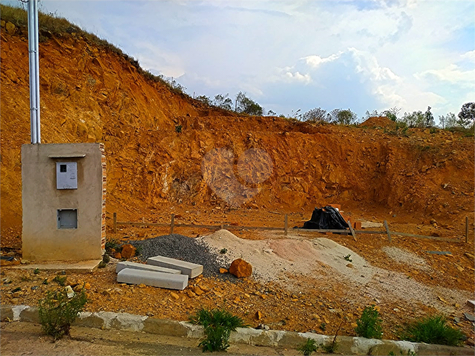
(172, 224)
(351, 230)
(115, 222)
(466, 229)
(387, 230)
(286, 225)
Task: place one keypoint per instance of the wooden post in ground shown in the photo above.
(387, 230)
(466, 229)
(115, 222)
(172, 224)
(286, 225)
(351, 230)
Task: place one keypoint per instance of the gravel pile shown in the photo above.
(186, 249)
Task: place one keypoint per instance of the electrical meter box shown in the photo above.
(63, 200)
(66, 175)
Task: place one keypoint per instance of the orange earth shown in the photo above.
(420, 182)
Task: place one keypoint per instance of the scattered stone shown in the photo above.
(117, 255)
(240, 268)
(11, 28)
(469, 255)
(87, 286)
(24, 262)
(471, 303)
(223, 270)
(263, 327)
(350, 265)
(174, 295)
(469, 317)
(34, 288)
(69, 291)
(190, 293)
(258, 315)
(440, 252)
(128, 251)
(456, 320)
(198, 291)
(441, 299)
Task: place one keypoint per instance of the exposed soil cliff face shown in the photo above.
(93, 95)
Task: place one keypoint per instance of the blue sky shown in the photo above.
(290, 55)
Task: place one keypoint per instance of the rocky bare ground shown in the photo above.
(304, 291)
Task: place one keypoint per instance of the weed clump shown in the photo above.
(57, 312)
(369, 324)
(433, 330)
(218, 325)
(308, 347)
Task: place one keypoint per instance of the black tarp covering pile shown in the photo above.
(326, 218)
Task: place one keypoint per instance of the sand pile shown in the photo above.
(284, 260)
(275, 260)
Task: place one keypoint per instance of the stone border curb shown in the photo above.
(271, 338)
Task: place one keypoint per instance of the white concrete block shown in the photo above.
(190, 269)
(134, 265)
(154, 279)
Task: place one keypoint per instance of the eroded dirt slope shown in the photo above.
(93, 95)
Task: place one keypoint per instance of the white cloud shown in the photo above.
(315, 61)
(452, 74)
(298, 77)
(369, 66)
(470, 55)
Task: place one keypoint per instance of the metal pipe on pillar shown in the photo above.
(34, 71)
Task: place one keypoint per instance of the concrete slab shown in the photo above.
(154, 279)
(75, 267)
(190, 269)
(134, 265)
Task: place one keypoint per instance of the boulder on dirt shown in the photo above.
(128, 251)
(240, 268)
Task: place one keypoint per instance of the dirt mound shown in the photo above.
(379, 121)
(285, 261)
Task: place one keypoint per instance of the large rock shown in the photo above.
(240, 268)
(128, 251)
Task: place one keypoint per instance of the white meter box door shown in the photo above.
(66, 175)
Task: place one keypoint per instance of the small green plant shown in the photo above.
(102, 264)
(308, 347)
(112, 244)
(178, 128)
(218, 325)
(60, 280)
(223, 251)
(57, 312)
(45, 281)
(369, 324)
(433, 330)
(332, 346)
(17, 289)
(348, 258)
(323, 326)
(36, 271)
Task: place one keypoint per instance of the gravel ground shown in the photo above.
(186, 249)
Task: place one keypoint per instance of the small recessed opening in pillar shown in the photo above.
(67, 218)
